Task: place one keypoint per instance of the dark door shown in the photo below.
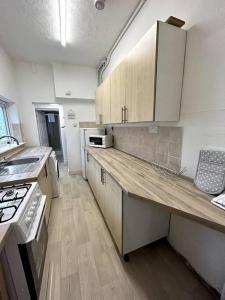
(53, 129)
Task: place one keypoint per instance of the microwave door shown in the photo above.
(96, 141)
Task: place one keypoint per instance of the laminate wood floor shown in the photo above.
(82, 262)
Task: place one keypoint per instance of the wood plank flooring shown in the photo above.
(82, 262)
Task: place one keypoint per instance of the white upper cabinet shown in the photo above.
(74, 82)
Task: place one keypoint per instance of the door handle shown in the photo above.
(100, 118)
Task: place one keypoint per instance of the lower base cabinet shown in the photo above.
(132, 222)
(3, 288)
(44, 181)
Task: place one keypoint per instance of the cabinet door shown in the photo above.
(89, 161)
(100, 187)
(91, 170)
(140, 79)
(44, 181)
(103, 102)
(87, 165)
(106, 101)
(98, 104)
(113, 210)
(118, 94)
(3, 288)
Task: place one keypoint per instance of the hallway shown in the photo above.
(82, 263)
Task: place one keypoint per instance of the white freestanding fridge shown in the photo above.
(84, 141)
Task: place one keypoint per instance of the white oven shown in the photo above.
(24, 207)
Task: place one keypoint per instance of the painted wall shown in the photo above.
(202, 111)
(79, 81)
(35, 85)
(8, 92)
(7, 79)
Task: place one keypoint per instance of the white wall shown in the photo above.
(79, 81)
(35, 85)
(8, 92)
(202, 111)
(84, 110)
(7, 79)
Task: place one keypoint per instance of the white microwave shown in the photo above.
(100, 141)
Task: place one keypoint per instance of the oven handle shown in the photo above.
(39, 219)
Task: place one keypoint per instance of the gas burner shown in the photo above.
(9, 193)
(14, 192)
(7, 213)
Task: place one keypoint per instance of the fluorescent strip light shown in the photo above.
(62, 15)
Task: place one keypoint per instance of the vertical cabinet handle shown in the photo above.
(122, 110)
(125, 114)
(46, 171)
(87, 156)
(103, 176)
(100, 119)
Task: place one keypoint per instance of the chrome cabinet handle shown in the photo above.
(122, 111)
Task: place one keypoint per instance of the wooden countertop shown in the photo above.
(28, 176)
(4, 231)
(141, 180)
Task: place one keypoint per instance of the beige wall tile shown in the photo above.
(163, 148)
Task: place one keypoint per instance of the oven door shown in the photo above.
(33, 252)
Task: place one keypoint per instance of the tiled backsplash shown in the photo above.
(163, 148)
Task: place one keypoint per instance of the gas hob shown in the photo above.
(10, 200)
(22, 206)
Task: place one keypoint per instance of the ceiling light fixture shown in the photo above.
(62, 15)
(100, 4)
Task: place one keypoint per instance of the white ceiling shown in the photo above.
(29, 29)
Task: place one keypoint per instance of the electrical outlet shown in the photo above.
(153, 128)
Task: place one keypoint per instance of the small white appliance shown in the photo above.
(54, 170)
(84, 141)
(24, 207)
(100, 141)
(219, 201)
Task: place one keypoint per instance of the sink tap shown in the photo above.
(10, 137)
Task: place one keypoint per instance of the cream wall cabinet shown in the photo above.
(147, 84)
(103, 102)
(118, 94)
(133, 223)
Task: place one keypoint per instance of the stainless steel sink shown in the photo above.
(22, 161)
(19, 165)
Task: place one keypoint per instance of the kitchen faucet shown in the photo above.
(11, 137)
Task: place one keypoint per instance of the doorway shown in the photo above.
(49, 130)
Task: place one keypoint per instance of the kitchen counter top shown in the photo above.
(140, 179)
(28, 176)
(4, 231)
